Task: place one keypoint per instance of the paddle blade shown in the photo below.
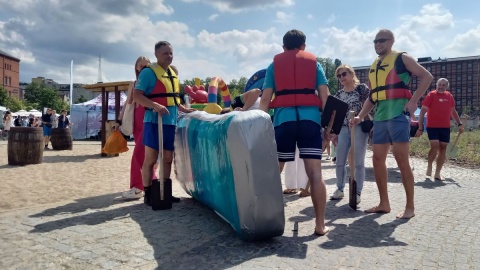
(452, 151)
(352, 190)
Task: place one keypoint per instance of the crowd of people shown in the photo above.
(47, 121)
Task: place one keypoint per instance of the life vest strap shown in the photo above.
(398, 85)
(304, 91)
(160, 95)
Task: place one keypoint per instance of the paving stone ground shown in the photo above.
(105, 232)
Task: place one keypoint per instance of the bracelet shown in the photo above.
(460, 124)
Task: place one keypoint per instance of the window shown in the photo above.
(10, 81)
(444, 67)
(459, 102)
(469, 77)
(5, 80)
(459, 65)
(469, 90)
(469, 65)
(459, 78)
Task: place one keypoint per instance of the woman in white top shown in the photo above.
(7, 123)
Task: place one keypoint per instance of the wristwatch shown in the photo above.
(460, 124)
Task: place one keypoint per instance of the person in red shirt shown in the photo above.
(440, 105)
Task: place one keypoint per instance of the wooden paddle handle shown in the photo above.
(456, 140)
(328, 130)
(161, 179)
(351, 115)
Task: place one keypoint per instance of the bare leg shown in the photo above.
(151, 156)
(442, 151)
(380, 152)
(432, 154)
(167, 163)
(402, 153)
(313, 168)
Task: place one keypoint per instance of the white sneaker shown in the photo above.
(337, 195)
(359, 199)
(133, 193)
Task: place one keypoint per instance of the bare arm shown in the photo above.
(138, 96)
(323, 93)
(128, 101)
(421, 117)
(425, 79)
(250, 98)
(456, 117)
(266, 98)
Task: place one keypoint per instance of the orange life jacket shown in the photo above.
(295, 76)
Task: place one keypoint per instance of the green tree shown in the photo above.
(40, 96)
(3, 97)
(81, 99)
(329, 66)
(14, 104)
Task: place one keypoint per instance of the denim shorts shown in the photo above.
(305, 134)
(47, 131)
(150, 136)
(395, 130)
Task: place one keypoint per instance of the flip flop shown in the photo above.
(438, 179)
(304, 193)
(375, 211)
(327, 230)
(290, 191)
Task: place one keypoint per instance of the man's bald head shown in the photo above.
(385, 33)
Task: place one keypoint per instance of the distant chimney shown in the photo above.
(99, 78)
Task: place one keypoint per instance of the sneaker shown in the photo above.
(334, 159)
(359, 199)
(337, 195)
(133, 193)
(328, 157)
(175, 199)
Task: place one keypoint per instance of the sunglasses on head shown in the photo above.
(343, 74)
(380, 40)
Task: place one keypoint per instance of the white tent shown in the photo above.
(35, 113)
(87, 116)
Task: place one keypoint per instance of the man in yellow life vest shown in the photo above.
(157, 89)
(389, 78)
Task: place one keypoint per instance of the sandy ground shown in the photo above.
(63, 176)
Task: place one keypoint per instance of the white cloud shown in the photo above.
(310, 17)
(283, 17)
(431, 17)
(465, 44)
(213, 17)
(243, 5)
(331, 18)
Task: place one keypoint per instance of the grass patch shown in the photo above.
(468, 147)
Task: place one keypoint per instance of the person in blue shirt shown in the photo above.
(157, 89)
(300, 87)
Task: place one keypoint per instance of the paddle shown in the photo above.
(452, 149)
(161, 188)
(352, 190)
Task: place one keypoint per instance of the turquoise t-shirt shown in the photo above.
(287, 114)
(146, 82)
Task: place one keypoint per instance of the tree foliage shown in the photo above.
(81, 99)
(3, 97)
(39, 96)
(330, 66)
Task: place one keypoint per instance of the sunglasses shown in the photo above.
(343, 74)
(380, 40)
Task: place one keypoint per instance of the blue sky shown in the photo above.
(226, 38)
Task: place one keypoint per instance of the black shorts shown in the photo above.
(305, 134)
(439, 134)
(237, 102)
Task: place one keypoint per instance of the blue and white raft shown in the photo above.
(229, 163)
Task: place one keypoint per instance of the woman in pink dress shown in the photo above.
(136, 184)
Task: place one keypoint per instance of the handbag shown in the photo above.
(128, 113)
(366, 124)
(115, 144)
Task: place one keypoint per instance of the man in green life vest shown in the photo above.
(389, 78)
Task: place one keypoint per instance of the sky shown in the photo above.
(222, 38)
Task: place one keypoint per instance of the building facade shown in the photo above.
(463, 73)
(10, 71)
(63, 89)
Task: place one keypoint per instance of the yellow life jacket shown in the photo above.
(166, 91)
(389, 78)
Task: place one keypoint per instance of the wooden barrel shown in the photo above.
(25, 145)
(61, 139)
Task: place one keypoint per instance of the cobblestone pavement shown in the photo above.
(104, 232)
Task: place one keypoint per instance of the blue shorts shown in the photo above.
(47, 131)
(439, 134)
(150, 136)
(395, 130)
(305, 133)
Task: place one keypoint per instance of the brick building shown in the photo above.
(10, 71)
(63, 89)
(463, 73)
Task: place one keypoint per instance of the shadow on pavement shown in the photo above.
(189, 236)
(61, 158)
(429, 184)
